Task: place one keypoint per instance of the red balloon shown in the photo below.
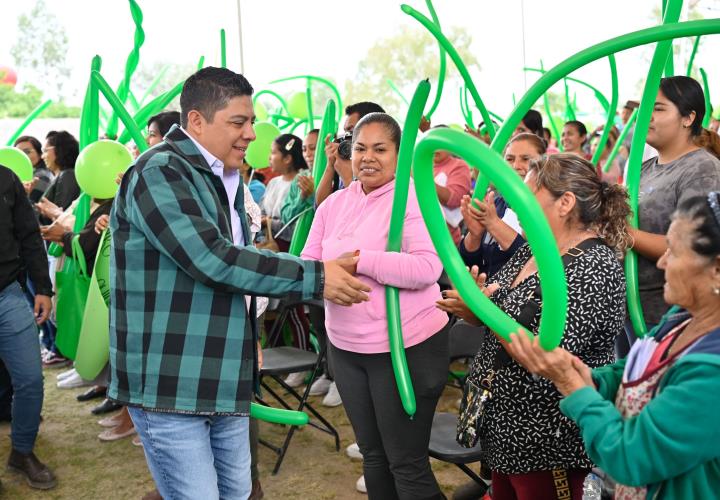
(8, 76)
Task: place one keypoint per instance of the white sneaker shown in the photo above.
(353, 451)
(296, 379)
(360, 485)
(73, 382)
(65, 374)
(332, 398)
(320, 386)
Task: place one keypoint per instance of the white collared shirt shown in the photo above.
(231, 181)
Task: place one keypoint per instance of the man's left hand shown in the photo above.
(43, 306)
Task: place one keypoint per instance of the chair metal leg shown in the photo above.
(467, 470)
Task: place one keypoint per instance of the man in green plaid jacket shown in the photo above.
(183, 340)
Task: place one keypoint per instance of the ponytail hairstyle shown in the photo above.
(291, 145)
(710, 141)
(599, 206)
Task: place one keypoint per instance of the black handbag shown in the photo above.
(477, 392)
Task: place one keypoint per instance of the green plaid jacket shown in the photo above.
(181, 340)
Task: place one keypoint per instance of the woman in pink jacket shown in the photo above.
(355, 221)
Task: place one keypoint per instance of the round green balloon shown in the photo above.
(297, 106)
(18, 162)
(258, 153)
(261, 112)
(98, 166)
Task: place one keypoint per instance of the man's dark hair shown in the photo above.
(66, 148)
(209, 90)
(165, 120)
(363, 108)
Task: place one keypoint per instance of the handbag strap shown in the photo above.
(534, 302)
(79, 256)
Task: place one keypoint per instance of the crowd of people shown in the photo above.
(199, 265)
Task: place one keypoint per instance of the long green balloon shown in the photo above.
(277, 96)
(620, 140)
(569, 111)
(156, 81)
(278, 415)
(201, 63)
(548, 111)
(610, 112)
(130, 65)
(308, 100)
(394, 244)
(708, 106)
(325, 82)
(466, 112)
(223, 55)
(537, 230)
(93, 126)
(150, 109)
(443, 64)
(696, 44)
(302, 228)
(397, 91)
(33, 114)
(457, 60)
(634, 163)
(598, 95)
(670, 63)
(118, 108)
(588, 55)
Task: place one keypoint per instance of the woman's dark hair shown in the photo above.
(687, 96)
(546, 131)
(599, 206)
(533, 122)
(534, 139)
(165, 121)
(383, 119)
(66, 148)
(704, 212)
(579, 126)
(291, 145)
(35, 145)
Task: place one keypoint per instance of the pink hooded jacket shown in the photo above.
(350, 220)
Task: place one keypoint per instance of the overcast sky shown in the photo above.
(329, 38)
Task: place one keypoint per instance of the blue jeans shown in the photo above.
(20, 351)
(194, 456)
(48, 328)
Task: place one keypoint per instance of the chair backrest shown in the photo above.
(465, 340)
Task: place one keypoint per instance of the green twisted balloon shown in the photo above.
(130, 65)
(152, 108)
(394, 244)
(457, 60)
(223, 55)
(663, 51)
(708, 106)
(610, 113)
(537, 230)
(443, 64)
(620, 140)
(302, 228)
(278, 415)
(325, 82)
(118, 108)
(696, 44)
(33, 114)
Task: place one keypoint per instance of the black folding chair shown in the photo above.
(280, 361)
(445, 448)
(465, 342)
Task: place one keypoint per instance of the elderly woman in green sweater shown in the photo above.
(651, 420)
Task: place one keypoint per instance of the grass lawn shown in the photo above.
(88, 468)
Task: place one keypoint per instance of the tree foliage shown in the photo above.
(405, 58)
(40, 50)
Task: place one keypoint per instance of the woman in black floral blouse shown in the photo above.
(535, 452)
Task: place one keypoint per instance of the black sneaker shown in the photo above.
(36, 473)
